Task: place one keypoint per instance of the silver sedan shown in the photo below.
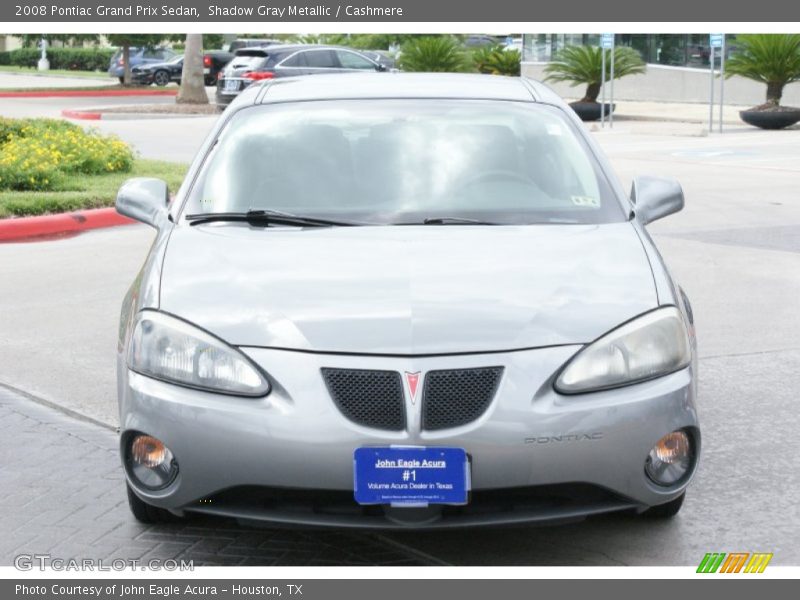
(404, 301)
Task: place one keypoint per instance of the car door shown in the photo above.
(176, 69)
(320, 60)
(291, 65)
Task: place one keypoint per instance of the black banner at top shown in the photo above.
(477, 11)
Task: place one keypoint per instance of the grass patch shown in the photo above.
(65, 72)
(87, 191)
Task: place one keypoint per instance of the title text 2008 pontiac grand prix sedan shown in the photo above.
(404, 301)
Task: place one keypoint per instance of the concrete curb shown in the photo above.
(17, 229)
(82, 114)
(99, 114)
(88, 93)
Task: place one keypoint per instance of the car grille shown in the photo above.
(369, 398)
(457, 397)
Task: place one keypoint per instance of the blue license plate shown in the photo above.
(411, 475)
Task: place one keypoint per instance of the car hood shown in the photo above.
(406, 290)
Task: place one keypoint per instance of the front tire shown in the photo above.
(665, 511)
(146, 513)
(161, 78)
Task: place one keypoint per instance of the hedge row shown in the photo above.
(73, 59)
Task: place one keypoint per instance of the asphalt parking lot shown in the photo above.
(735, 249)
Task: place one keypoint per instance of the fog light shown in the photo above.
(151, 463)
(670, 459)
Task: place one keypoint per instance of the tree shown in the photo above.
(193, 89)
(584, 65)
(441, 54)
(497, 60)
(133, 40)
(773, 59)
(212, 41)
(31, 40)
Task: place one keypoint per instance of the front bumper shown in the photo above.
(568, 456)
(142, 78)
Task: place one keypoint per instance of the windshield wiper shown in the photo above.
(454, 221)
(266, 218)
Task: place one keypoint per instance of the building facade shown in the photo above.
(676, 50)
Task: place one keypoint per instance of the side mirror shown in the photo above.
(656, 197)
(144, 199)
(380, 67)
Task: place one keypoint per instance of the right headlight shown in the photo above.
(649, 346)
(167, 348)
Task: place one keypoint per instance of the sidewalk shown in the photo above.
(676, 112)
(26, 80)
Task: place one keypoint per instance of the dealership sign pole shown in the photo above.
(715, 41)
(721, 80)
(611, 88)
(602, 83)
(606, 41)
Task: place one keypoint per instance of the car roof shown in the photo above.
(296, 47)
(402, 85)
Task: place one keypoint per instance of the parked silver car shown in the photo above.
(404, 300)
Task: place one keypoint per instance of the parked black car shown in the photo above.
(159, 73)
(287, 60)
(138, 56)
(213, 63)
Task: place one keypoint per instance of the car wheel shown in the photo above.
(665, 511)
(146, 513)
(161, 78)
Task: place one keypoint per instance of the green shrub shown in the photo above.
(496, 60)
(773, 59)
(37, 154)
(584, 65)
(72, 59)
(5, 58)
(440, 54)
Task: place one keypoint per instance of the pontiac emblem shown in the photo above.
(412, 380)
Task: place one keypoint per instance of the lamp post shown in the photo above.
(43, 64)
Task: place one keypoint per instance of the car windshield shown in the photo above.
(406, 161)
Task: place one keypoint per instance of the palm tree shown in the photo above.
(584, 65)
(193, 89)
(441, 54)
(497, 60)
(773, 59)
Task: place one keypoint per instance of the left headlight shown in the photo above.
(649, 346)
(166, 348)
